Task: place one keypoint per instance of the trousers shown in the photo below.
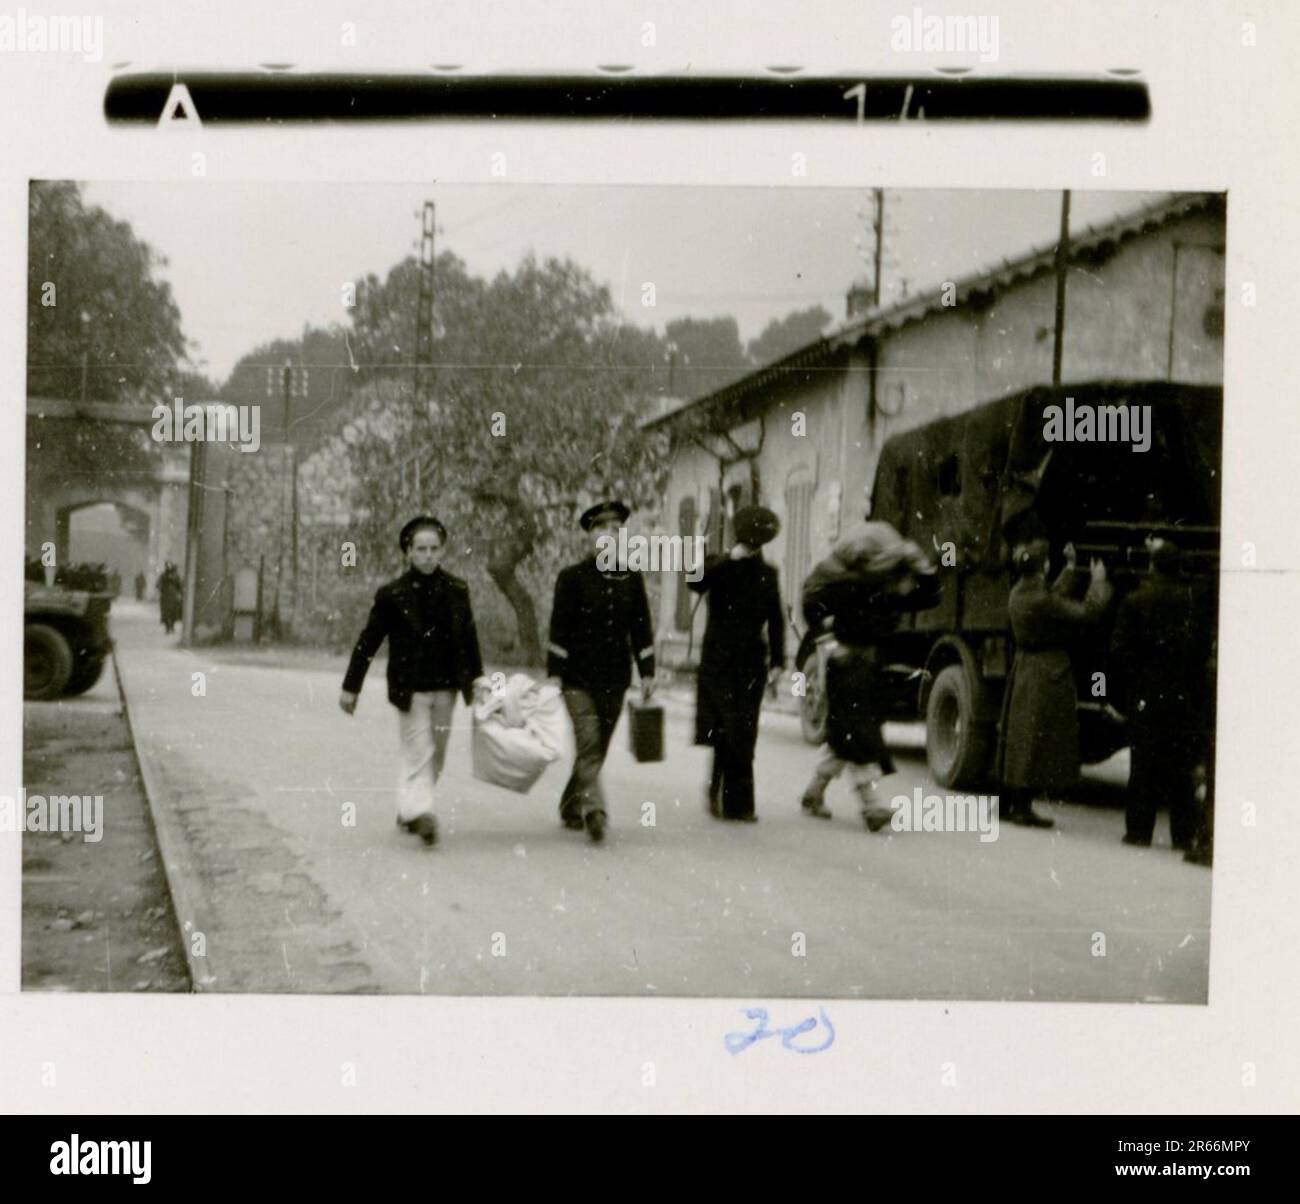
(1161, 769)
(595, 716)
(424, 731)
(863, 777)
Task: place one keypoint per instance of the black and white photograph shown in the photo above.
(654, 558)
(555, 590)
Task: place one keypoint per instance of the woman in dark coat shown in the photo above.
(170, 594)
(1038, 744)
(744, 647)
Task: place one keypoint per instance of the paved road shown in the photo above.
(257, 775)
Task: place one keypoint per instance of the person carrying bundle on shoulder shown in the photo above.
(872, 577)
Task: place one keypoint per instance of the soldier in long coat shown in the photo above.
(744, 648)
(1038, 744)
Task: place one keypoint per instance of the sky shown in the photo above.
(249, 263)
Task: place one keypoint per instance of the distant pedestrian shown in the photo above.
(743, 651)
(433, 654)
(600, 625)
(171, 597)
(1038, 738)
(1160, 651)
(859, 593)
(141, 582)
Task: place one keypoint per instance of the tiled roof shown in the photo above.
(895, 316)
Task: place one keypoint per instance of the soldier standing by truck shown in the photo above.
(1038, 746)
(1159, 651)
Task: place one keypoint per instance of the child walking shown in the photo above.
(433, 654)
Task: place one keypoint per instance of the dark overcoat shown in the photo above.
(1159, 652)
(170, 596)
(744, 636)
(1038, 745)
(395, 616)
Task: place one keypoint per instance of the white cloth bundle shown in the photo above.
(518, 732)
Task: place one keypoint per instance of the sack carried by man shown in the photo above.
(518, 732)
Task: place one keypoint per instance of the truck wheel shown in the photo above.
(47, 662)
(958, 747)
(85, 674)
(812, 706)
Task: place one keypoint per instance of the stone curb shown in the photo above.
(193, 911)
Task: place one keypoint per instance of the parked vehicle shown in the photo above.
(968, 487)
(65, 640)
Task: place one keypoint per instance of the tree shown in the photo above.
(322, 386)
(708, 354)
(531, 410)
(95, 311)
(781, 336)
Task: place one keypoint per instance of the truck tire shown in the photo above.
(85, 674)
(958, 745)
(47, 662)
(812, 706)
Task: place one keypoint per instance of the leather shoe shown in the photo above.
(1029, 818)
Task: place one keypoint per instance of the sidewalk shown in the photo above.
(96, 916)
(251, 915)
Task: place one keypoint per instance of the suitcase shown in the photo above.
(645, 730)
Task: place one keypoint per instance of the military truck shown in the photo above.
(65, 640)
(967, 488)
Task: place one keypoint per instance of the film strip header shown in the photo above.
(280, 94)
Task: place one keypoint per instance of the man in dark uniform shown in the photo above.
(1159, 651)
(600, 623)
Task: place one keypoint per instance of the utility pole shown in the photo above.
(85, 352)
(289, 382)
(424, 306)
(1062, 265)
(879, 226)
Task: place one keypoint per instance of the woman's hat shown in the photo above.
(755, 525)
(601, 511)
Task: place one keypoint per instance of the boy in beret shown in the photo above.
(433, 654)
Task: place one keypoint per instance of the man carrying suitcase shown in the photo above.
(600, 623)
